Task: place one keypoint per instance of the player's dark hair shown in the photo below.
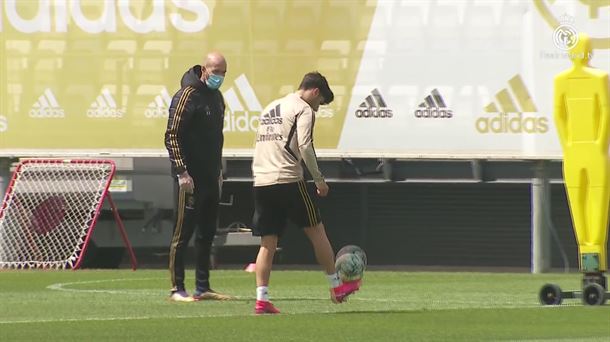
(313, 80)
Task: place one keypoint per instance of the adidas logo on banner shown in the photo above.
(513, 112)
(272, 118)
(160, 106)
(373, 106)
(3, 123)
(46, 106)
(240, 118)
(433, 107)
(105, 106)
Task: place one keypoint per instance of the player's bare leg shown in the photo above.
(264, 259)
(321, 246)
(326, 258)
(264, 262)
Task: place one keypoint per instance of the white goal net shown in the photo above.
(49, 211)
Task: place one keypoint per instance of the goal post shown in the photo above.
(50, 209)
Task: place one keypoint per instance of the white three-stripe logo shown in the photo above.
(160, 106)
(104, 106)
(246, 92)
(46, 106)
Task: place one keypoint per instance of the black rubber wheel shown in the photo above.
(550, 294)
(593, 294)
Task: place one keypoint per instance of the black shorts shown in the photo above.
(274, 204)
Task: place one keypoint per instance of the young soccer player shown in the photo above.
(283, 140)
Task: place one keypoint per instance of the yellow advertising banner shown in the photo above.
(412, 79)
(99, 74)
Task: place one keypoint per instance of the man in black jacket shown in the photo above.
(194, 140)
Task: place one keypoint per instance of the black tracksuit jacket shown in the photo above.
(194, 135)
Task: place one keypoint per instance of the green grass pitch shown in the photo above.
(122, 305)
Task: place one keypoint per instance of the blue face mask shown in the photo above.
(214, 81)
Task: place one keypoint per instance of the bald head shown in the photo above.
(216, 64)
(214, 70)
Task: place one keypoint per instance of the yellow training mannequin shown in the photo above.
(581, 116)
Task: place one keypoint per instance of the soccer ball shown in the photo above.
(350, 266)
(355, 250)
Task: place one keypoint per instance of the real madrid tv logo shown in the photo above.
(565, 36)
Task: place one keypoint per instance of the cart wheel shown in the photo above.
(550, 294)
(593, 294)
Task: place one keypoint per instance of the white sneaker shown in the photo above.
(180, 296)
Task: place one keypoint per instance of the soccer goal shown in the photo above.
(50, 210)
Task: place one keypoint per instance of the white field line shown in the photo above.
(431, 305)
